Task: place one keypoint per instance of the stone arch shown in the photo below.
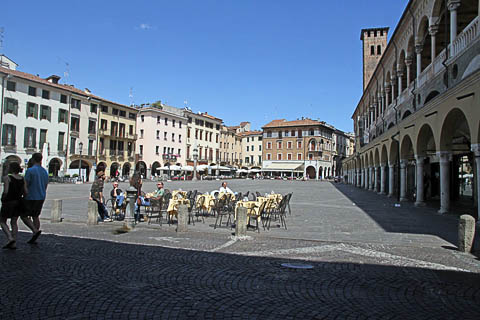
(384, 155)
(393, 154)
(377, 158)
(402, 67)
(431, 95)
(424, 39)
(371, 162)
(425, 141)
(311, 172)
(141, 167)
(312, 145)
(437, 8)
(85, 164)
(455, 131)
(406, 148)
(366, 162)
(406, 114)
(126, 169)
(390, 125)
(54, 166)
(114, 167)
(155, 166)
(466, 12)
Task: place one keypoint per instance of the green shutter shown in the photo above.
(4, 135)
(49, 114)
(25, 138)
(14, 135)
(15, 107)
(34, 144)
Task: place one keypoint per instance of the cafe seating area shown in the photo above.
(217, 209)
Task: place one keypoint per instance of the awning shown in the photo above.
(284, 166)
(172, 168)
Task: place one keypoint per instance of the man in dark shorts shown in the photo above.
(37, 182)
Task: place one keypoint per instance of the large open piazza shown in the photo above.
(355, 255)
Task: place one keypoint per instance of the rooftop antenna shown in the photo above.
(66, 73)
(130, 95)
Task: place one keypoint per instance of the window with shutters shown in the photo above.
(32, 110)
(45, 94)
(11, 86)
(30, 138)
(62, 115)
(32, 91)
(63, 98)
(45, 113)
(92, 126)
(76, 104)
(11, 106)
(93, 108)
(43, 138)
(75, 123)
(9, 135)
(61, 138)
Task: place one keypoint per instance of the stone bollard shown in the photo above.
(129, 222)
(241, 223)
(56, 212)
(182, 218)
(466, 233)
(92, 213)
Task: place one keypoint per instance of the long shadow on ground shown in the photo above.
(70, 278)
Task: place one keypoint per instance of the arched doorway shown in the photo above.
(126, 169)
(54, 167)
(407, 163)
(114, 168)
(320, 173)
(426, 148)
(7, 161)
(155, 168)
(311, 172)
(141, 167)
(85, 169)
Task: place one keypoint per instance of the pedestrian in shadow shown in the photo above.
(14, 191)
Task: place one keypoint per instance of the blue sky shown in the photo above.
(248, 60)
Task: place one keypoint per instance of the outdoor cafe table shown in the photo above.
(208, 203)
(172, 209)
(275, 199)
(252, 208)
(176, 193)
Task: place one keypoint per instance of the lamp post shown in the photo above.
(195, 158)
(80, 146)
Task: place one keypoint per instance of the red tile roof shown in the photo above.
(66, 87)
(250, 133)
(294, 123)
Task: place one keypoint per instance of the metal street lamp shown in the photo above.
(80, 146)
(195, 158)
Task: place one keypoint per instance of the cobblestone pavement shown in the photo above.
(369, 259)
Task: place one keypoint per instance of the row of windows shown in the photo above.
(295, 133)
(116, 129)
(202, 123)
(30, 137)
(165, 136)
(166, 150)
(32, 91)
(299, 156)
(116, 147)
(118, 112)
(280, 145)
(159, 120)
(250, 159)
(11, 106)
(260, 138)
(252, 148)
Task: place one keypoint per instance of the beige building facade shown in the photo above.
(252, 149)
(416, 126)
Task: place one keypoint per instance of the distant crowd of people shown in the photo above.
(23, 198)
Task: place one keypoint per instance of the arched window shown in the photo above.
(379, 49)
(372, 50)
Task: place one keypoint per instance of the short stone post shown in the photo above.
(129, 222)
(182, 218)
(56, 212)
(466, 233)
(241, 223)
(92, 213)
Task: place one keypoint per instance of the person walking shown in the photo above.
(96, 194)
(36, 178)
(14, 189)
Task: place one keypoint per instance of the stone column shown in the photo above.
(375, 184)
(408, 63)
(394, 79)
(418, 51)
(383, 178)
(476, 152)
(433, 29)
(403, 180)
(444, 181)
(387, 93)
(365, 179)
(452, 7)
(362, 180)
(391, 169)
(400, 78)
(420, 200)
(380, 104)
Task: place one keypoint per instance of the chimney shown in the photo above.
(53, 79)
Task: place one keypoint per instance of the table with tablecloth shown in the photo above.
(179, 194)
(275, 199)
(208, 203)
(173, 204)
(252, 207)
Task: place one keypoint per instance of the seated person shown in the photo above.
(157, 194)
(116, 194)
(225, 189)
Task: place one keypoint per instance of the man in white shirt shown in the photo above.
(225, 189)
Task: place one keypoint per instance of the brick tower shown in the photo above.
(374, 44)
